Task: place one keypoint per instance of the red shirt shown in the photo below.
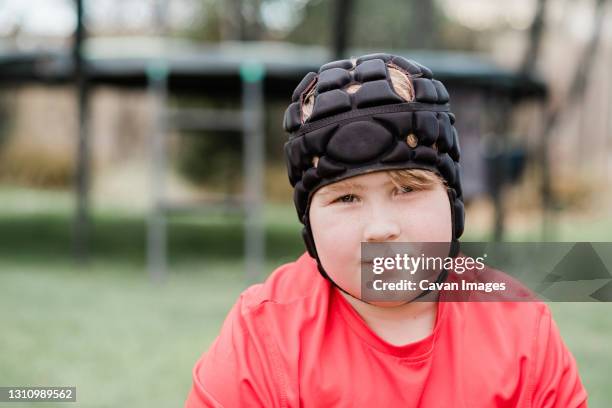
(296, 341)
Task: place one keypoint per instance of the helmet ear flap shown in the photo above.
(454, 243)
(312, 251)
(309, 240)
(454, 248)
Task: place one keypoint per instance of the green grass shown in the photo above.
(586, 329)
(125, 341)
(106, 329)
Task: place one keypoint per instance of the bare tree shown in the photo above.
(574, 96)
(422, 27)
(342, 11)
(231, 20)
(239, 20)
(535, 38)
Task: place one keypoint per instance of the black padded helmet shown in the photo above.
(351, 133)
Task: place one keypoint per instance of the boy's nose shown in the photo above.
(381, 230)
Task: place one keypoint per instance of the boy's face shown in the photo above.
(370, 208)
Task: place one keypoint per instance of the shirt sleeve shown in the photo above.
(557, 382)
(238, 369)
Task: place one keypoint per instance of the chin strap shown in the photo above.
(312, 251)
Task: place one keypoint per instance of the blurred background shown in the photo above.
(143, 187)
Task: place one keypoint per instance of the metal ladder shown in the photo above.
(249, 121)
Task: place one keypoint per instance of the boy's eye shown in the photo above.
(347, 198)
(405, 189)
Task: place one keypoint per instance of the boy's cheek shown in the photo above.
(346, 274)
(342, 243)
(429, 223)
(339, 249)
(328, 231)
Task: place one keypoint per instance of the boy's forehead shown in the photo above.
(360, 182)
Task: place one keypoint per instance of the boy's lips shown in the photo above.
(370, 258)
(391, 254)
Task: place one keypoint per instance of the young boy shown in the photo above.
(373, 157)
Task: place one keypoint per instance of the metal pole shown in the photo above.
(253, 164)
(81, 227)
(607, 162)
(157, 75)
(157, 79)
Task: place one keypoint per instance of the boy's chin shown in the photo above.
(389, 304)
(393, 301)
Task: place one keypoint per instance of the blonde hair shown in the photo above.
(413, 179)
(400, 80)
(416, 179)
